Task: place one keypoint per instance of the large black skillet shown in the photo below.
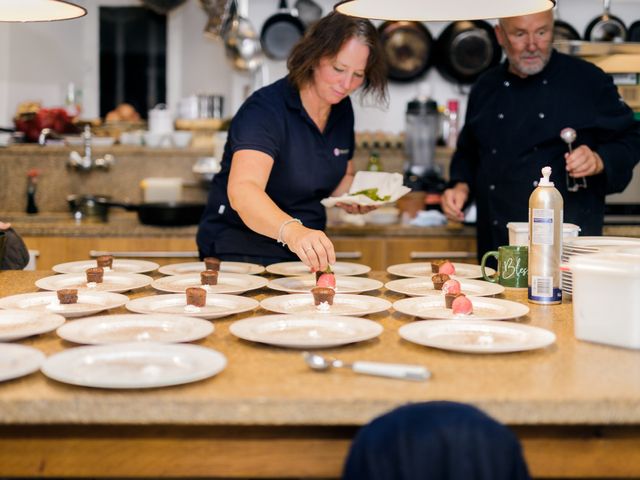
(465, 49)
(166, 214)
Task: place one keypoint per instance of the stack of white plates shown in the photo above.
(582, 245)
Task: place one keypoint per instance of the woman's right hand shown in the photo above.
(313, 247)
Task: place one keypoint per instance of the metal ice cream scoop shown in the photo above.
(393, 370)
(568, 135)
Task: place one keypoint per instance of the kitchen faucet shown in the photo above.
(86, 162)
(44, 134)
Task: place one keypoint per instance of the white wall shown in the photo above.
(37, 60)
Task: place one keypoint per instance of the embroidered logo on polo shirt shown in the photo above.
(340, 151)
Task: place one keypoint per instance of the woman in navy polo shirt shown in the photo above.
(289, 146)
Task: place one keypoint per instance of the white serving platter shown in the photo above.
(305, 331)
(120, 265)
(197, 267)
(423, 269)
(133, 365)
(422, 286)
(218, 305)
(299, 268)
(18, 360)
(88, 303)
(484, 308)
(344, 284)
(112, 282)
(227, 283)
(107, 329)
(477, 336)
(17, 324)
(344, 304)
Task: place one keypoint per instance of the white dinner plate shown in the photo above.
(18, 360)
(112, 282)
(344, 304)
(16, 324)
(311, 331)
(120, 265)
(477, 336)
(218, 305)
(88, 303)
(344, 284)
(484, 308)
(197, 267)
(299, 268)
(423, 286)
(106, 329)
(227, 283)
(133, 365)
(423, 269)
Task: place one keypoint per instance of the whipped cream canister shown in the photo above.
(545, 242)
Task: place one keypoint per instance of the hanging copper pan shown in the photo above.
(408, 47)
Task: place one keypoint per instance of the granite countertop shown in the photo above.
(570, 382)
(127, 224)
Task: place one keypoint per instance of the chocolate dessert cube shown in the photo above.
(438, 280)
(323, 294)
(212, 263)
(95, 274)
(450, 297)
(196, 296)
(67, 296)
(435, 265)
(209, 277)
(105, 261)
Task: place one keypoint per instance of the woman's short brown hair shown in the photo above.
(325, 38)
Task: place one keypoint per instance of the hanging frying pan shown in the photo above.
(633, 34)
(564, 31)
(280, 32)
(408, 49)
(606, 27)
(465, 49)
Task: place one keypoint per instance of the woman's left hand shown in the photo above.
(5, 226)
(351, 208)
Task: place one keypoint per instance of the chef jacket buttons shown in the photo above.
(500, 116)
(494, 223)
(494, 151)
(492, 187)
(544, 82)
(506, 83)
(541, 115)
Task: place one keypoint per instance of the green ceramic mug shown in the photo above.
(513, 262)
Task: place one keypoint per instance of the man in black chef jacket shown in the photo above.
(512, 129)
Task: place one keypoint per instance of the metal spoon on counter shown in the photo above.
(392, 370)
(568, 135)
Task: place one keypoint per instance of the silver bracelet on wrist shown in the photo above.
(284, 224)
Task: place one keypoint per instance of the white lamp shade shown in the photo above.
(441, 10)
(38, 10)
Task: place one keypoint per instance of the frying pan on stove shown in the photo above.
(172, 214)
(408, 48)
(465, 49)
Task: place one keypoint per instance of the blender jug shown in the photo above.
(420, 136)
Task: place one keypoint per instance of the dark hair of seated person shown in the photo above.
(435, 441)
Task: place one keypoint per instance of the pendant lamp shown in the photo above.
(441, 10)
(38, 10)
